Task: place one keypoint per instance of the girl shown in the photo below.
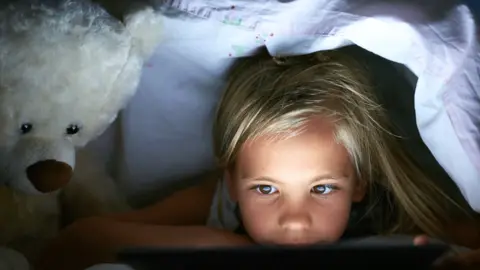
(299, 140)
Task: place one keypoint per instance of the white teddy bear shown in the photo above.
(66, 69)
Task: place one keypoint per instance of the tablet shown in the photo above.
(386, 256)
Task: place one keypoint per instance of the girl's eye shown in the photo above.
(266, 189)
(323, 189)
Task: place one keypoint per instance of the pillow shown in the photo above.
(168, 123)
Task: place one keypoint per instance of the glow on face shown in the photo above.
(297, 190)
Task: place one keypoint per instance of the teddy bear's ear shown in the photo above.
(145, 26)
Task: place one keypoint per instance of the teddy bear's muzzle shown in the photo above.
(49, 175)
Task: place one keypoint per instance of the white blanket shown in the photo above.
(166, 129)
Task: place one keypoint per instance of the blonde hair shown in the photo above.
(278, 96)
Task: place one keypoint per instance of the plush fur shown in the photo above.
(66, 69)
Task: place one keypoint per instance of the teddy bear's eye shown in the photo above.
(26, 128)
(72, 129)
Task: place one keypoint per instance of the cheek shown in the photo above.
(331, 220)
(258, 217)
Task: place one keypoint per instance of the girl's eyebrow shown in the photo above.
(329, 177)
(322, 177)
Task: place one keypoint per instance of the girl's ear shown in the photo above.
(229, 181)
(359, 191)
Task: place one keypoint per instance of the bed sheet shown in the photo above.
(165, 131)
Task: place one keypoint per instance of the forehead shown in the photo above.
(314, 150)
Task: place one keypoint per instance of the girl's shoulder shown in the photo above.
(223, 211)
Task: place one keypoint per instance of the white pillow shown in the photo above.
(167, 126)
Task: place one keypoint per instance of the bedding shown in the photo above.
(165, 132)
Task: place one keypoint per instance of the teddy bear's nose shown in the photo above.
(49, 175)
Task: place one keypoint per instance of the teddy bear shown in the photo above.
(67, 67)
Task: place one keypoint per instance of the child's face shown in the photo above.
(297, 190)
